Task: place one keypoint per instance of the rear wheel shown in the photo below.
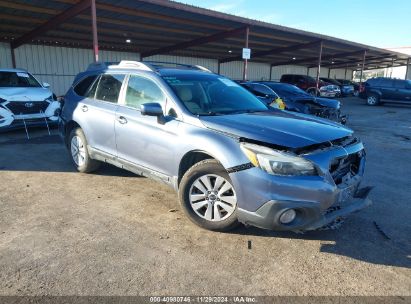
(373, 100)
(77, 144)
(208, 196)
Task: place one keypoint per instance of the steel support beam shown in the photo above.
(274, 51)
(218, 67)
(245, 69)
(363, 64)
(13, 57)
(370, 60)
(319, 66)
(94, 28)
(52, 23)
(313, 59)
(392, 66)
(407, 68)
(345, 74)
(194, 42)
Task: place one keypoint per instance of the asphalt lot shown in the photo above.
(114, 233)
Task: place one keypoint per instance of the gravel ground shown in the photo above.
(114, 233)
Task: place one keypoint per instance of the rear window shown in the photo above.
(109, 87)
(83, 86)
(18, 80)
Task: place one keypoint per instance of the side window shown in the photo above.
(400, 84)
(386, 82)
(82, 87)
(109, 87)
(263, 90)
(141, 90)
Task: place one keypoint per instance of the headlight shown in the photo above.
(50, 98)
(276, 162)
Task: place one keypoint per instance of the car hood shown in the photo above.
(325, 102)
(24, 94)
(282, 128)
(329, 103)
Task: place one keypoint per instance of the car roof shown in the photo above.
(13, 70)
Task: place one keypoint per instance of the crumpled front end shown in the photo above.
(314, 201)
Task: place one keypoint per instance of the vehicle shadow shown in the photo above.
(45, 153)
(358, 239)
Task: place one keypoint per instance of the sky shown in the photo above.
(380, 23)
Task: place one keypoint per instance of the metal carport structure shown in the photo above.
(152, 27)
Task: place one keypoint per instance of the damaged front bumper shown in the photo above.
(309, 215)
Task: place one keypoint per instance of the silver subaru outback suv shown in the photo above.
(231, 158)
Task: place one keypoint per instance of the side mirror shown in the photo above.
(46, 85)
(151, 109)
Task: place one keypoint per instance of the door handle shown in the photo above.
(84, 108)
(122, 120)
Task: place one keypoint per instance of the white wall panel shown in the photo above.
(340, 73)
(59, 65)
(256, 70)
(323, 72)
(210, 64)
(278, 71)
(5, 55)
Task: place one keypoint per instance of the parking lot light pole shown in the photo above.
(319, 67)
(247, 33)
(363, 65)
(94, 24)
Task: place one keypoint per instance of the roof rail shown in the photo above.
(122, 64)
(134, 64)
(161, 64)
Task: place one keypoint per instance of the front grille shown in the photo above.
(27, 107)
(340, 167)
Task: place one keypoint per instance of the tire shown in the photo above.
(373, 99)
(202, 200)
(77, 146)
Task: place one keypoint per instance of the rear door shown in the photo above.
(98, 111)
(387, 89)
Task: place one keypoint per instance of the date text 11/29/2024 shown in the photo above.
(202, 299)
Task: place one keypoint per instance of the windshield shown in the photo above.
(332, 81)
(209, 94)
(282, 89)
(18, 80)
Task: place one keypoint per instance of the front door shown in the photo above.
(143, 140)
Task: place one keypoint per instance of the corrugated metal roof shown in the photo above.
(154, 24)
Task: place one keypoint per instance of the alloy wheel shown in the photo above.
(78, 151)
(372, 100)
(212, 198)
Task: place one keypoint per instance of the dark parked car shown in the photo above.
(355, 85)
(264, 93)
(298, 100)
(380, 90)
(346, 89)
(308, 84)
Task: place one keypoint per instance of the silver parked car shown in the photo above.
(230, 157)
(24, 101)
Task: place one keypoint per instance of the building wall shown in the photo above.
(278, 71)
(5, 55)
(56, 65)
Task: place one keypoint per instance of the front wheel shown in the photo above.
(373, 100)
(208, 196)
(77, 145)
